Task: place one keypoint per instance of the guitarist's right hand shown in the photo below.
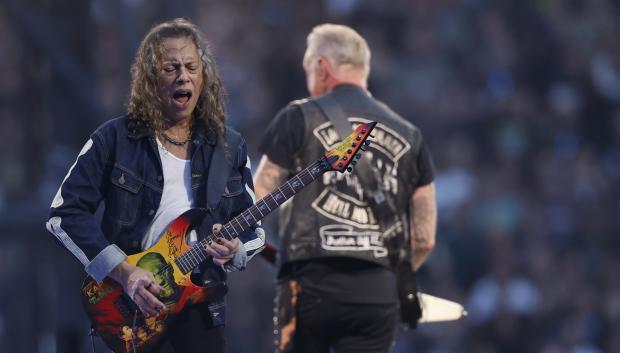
(140, 286)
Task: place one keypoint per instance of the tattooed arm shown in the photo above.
(423, 221)
(268, 177)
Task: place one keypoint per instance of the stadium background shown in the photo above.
(519, 102)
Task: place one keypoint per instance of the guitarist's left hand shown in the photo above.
(222, 250)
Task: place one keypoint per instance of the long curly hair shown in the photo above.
(145, 105)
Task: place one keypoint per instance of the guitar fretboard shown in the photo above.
(197, 254)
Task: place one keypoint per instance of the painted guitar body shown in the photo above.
(114, 316)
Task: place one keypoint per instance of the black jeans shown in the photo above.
(310, 324)
(193, 332)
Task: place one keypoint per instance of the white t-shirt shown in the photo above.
(176, 198)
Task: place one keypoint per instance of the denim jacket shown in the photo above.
(123, 169)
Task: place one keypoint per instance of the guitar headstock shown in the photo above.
(343, 157)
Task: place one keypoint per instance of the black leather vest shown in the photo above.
(332, 216)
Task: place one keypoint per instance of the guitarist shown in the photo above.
(150, 166)
(337, 288)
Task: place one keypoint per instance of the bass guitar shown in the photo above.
(117, 319)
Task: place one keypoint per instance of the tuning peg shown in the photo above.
(358, 138)
(349, 151)
(349, 169)
(354, 144)
(358, 155)
(363, 149)
(371, 136)
(353, 162)
(367, 142)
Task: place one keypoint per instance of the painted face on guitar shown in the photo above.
(154, 263)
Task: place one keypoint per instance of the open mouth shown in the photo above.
(182, 96)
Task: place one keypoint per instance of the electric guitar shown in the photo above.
(117, 319)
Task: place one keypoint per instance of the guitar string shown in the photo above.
(302, 174)
(169, 267)
(307, 172)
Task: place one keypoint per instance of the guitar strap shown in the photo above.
(219, 168)
(222, 160)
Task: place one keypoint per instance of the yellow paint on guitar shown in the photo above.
(170, 246)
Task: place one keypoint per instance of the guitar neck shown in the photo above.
(196, 254)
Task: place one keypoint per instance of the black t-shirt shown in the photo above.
(282, 147)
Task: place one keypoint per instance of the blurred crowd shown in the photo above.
(519, 102)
